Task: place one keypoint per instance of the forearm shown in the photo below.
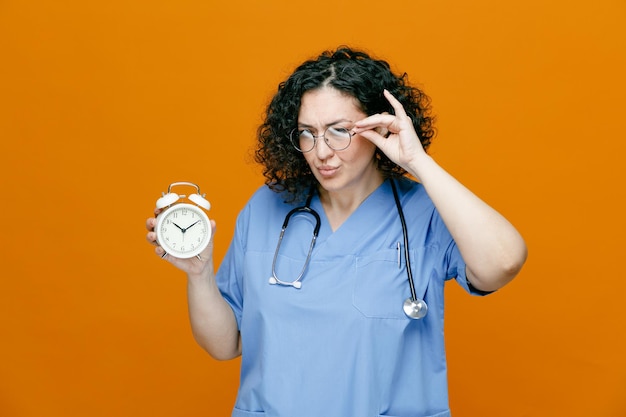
(492, 248)
(212, 320)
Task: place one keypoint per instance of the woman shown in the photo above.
(320, 323)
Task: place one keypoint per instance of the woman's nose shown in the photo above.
(322, 150)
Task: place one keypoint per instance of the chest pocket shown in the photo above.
(381, 286)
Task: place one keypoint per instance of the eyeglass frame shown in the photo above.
(316, 137)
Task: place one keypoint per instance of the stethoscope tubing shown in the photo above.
(318, 222)
(413, 307)
(405, 237)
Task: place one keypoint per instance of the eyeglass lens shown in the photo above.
(337, 138)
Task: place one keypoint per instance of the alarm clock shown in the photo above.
(182, 229)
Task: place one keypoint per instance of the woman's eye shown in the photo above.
(306, 134)
(339, 131)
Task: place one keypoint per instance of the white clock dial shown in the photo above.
(183, 230)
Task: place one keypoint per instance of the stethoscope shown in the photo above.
(414, 307)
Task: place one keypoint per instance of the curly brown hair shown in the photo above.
(348, 70)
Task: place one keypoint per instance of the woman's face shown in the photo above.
(352, 169)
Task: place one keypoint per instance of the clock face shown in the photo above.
(183, 230)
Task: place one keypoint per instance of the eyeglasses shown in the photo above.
(337, 138)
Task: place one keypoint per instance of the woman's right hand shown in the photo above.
(213, 322)
(198, 265)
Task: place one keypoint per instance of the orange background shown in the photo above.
(103, 104)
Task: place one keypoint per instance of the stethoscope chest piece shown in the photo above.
(415, 308)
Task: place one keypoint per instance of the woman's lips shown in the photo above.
(327, 171)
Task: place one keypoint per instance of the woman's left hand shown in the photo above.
(393, 134)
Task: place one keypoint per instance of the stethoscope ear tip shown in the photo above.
(295, 284)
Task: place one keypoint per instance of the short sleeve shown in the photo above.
(230, 273)
(456, 269)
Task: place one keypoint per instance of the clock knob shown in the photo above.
(167, 200)
(201, 201)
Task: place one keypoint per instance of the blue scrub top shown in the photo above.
(341, 345)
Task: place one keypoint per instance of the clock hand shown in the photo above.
(191, 225)
(185, 228)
